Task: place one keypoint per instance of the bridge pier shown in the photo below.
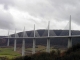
(69, 42)
(34, 46)
(48, 45)
(69, 39)
(15, 44)
(23, 47)
(8, 42)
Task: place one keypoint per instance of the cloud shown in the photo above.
(6, 3)
(48, 9)
(26, 13)
(6, 19)
(51, 9)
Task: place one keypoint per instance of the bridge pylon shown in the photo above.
(15, 41)
(23, 42)
(48, 40)
(70, 39)
(8, 39)
(23, 47)
(34, 43)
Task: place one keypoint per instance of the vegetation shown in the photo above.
(8, 53)
(71, 54)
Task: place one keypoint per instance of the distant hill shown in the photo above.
(54, 41)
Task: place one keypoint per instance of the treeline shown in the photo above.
(71, 54)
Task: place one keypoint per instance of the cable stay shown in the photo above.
(36, 34)
(65, 31)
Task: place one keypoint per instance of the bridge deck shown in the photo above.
(43, 37)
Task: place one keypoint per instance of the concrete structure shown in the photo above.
(8, 39)
(15, 41)
(69, 39)
(34, 42)
(34, 39)
(23, 47)
(23, 43)
(48, 40)
(15, 44)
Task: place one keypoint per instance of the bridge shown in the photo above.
(34, 39)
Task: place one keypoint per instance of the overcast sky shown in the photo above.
(15, 14)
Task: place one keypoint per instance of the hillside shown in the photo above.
(54, 41)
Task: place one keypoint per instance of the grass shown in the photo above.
(40, 48)
(9, 53)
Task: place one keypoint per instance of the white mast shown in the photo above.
(70, 26)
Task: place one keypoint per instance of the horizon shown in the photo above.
(39, 29)
(19, 13)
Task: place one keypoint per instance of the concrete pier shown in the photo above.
(23, 47)
(48, 40)
(23, 42)
(34, 43)
(69, 42)
(8, 39)
(34, 46)
(15, 44)
(69, 39)
(15, 41)
(48, 45)
(8, 42)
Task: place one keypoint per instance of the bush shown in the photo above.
(4, 58)
(71, 54)
(41, 56)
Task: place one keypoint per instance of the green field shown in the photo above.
(9, 53)
(41, 48)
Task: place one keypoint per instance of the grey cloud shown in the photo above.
(6, 21)
(48, 9)
(52, 9)
(6, 3)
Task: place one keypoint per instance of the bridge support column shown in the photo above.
(8, 42)
(69, 42)
(48, 45)
(15, 45)
(33, 49)
(23, 47)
